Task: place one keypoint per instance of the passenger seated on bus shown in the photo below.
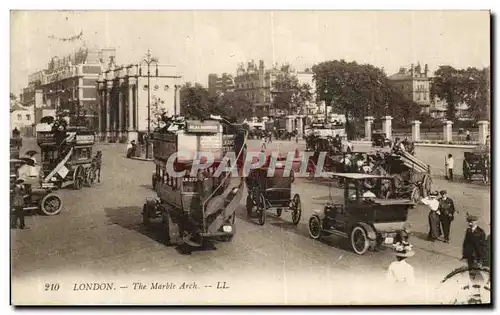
(386, 190)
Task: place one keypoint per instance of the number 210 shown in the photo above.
(51, 286)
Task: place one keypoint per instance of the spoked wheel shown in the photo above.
(314, 227)
(78, 178)
(415, 194)
(51, 204)
(261, 210)
(297, 209)
(359, 240)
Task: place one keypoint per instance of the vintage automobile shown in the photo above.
(379, 139)
(476, 164)
(66, 156)
(265, 192)
(196, 207)
(39, 198)
(368, 215)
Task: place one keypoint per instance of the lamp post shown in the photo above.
(326, 100)
(176, 87)
(149, 59)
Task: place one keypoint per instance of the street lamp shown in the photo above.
(149, 59)
(176, 87)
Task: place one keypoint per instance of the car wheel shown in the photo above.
(51, 204)
(297, 209)
(261, 210)
(314, 227)
(359, 240)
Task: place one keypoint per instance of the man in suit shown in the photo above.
(474, 246)
(18, 204)
(447, 214)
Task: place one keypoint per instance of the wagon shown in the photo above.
(476, 164)
(66, 157)
(368, 222)
(275, 192)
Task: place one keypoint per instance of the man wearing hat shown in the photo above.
(434, 225)
(18, 205)
(474, 247)
(447, 213)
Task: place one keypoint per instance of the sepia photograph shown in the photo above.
(250, 157)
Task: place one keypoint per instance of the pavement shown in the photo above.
(99, 237)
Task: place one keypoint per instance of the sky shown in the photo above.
(203, 42)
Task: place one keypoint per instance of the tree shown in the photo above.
(289, 95)
(195, 101)
(470, 86)
(157, 112)
(353, 89)
(236, 106)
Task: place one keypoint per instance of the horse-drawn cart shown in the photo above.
(477, 164)
(66, 156)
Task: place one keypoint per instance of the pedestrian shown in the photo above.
(449, 167)
(447, 214)
(434, 225)
(487, 141)
(130, 149)
(474, 246)
(18, 204)
(96, 165)
(400, 271)
(467, 136)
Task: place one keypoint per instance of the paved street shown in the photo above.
(99, 235)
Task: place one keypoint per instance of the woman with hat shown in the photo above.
(400, 271)
(434, 224)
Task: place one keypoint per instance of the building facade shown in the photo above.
(22, 118)
(123, 99)
(68, 84)
(415, 85)
(218, 85)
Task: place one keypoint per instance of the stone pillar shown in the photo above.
(415, 130)
(368, 127)
(109, 87)
(483, 131)
(120, 109)
(387, 126)
(132, 131)
(447, 131)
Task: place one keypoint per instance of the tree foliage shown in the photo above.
(290, 96)
(359, 90)
(197, 104)
(470, 86)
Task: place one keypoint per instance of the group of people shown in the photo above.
(441, 214)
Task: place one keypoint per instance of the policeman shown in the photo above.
(474, 246)
(447, 213)
(18, 204)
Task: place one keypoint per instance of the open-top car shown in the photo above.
(266, 192)
(369, 213)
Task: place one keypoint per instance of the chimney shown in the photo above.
(426, 69)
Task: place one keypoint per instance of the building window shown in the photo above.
(19, 117)
(425, 97)
(28, 117)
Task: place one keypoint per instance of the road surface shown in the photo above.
(99, 237)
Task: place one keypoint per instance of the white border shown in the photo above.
(189, 4)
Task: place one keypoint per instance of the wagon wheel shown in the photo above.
(297, 209)
(261, 209)
(415, 194)
(51, 204)
(314, 227)
(359, 240)
(78, 178)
